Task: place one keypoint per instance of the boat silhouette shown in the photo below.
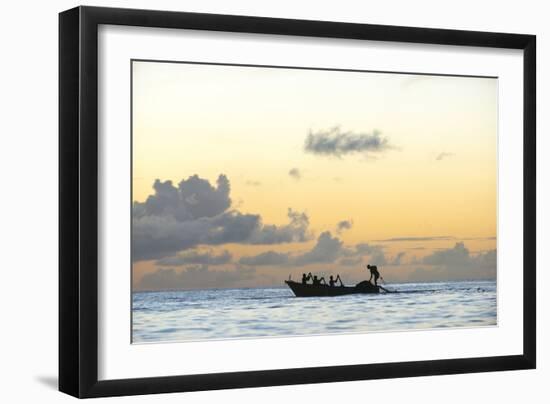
(309, 290)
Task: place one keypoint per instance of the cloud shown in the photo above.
(266, 258)
(295, 173)
(457, 263)
(192, 199)
(327, 249)
(397, 259)
(252, 183)
(335, 142)
(375, 253)
(443, 155)
(195, 213)
(459, 254)
(196, 277)
(430, 238)
(351, 261)
(297, 230)
(344, 225)
(196, 257)
(480, 238)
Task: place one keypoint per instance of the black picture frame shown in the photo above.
(78, 201)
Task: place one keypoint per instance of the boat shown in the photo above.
(309, 290)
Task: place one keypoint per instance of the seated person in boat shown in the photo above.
(306, 278)
(317, 281)
(374, 273)
(332, 281)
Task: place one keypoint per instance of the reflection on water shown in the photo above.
(264, 312)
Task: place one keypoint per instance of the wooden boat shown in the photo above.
(308, 290)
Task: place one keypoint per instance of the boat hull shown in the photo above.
(308, 290)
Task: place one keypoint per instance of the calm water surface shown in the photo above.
(265, 312)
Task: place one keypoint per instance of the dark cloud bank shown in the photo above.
(196, 257)
(175, 220)
(456, 263)
(196, 213)
(327, 250)
(195, 277)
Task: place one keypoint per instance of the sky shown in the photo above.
(244, 176)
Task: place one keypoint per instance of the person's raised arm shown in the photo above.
(339, 279)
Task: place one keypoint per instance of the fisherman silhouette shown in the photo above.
(374, 272)
(332, 281)
(306, 278)
(317, 281)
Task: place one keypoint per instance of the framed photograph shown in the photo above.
(249, 201)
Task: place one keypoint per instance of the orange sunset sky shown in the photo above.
(243, 176)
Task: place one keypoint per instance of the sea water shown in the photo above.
(183, 315)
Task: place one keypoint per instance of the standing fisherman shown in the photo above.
(374, 272)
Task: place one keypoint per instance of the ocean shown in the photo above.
(184, 315)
